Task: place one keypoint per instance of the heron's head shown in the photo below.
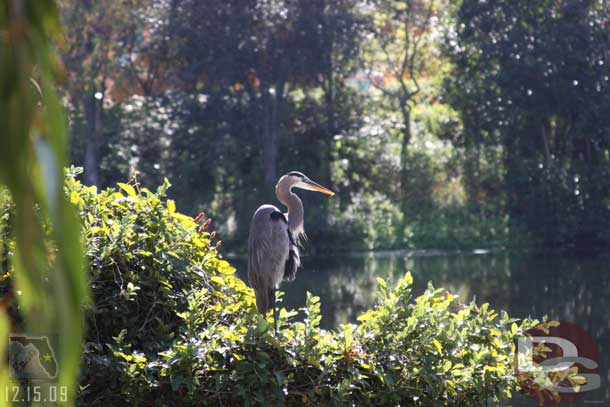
(299, 180)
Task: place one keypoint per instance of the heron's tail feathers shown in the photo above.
(292, 264)
(265, 299)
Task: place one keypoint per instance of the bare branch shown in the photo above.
(389, 61)
(415, 29)
(416, 43)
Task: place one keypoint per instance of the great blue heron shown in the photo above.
(273, 245)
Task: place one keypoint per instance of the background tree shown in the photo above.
(533, 79)
(396, 64)
(261, 90)
(90, 54)
(223, 97)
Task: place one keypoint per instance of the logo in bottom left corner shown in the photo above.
(31, 358)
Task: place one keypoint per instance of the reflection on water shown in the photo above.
(535, 284)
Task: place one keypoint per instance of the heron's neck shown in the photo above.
(295, 209)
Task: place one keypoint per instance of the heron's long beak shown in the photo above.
(314, 186)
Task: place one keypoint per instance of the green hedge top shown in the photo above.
(170, 324)
(145, 260)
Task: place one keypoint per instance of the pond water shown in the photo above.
(564, 287)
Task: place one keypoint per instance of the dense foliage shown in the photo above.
(170, 324)
(532, 77)
(416, 112)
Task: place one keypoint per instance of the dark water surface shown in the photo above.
(564, 287)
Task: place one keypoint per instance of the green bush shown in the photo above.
(373, 222)
(370, 222)
(170, 324)
(456, 228)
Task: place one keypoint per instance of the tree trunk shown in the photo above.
(273, 111)
(330, 102)
(476, 179)
(404, 157)
(93, 117)
(331, 129)
(544, 134)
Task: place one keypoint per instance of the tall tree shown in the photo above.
(261, 48)
(533, 77)
(113, 49)
(339, 27)
(91, 39)
(396, 63)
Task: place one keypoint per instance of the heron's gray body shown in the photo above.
(269, 247)
(273, 253)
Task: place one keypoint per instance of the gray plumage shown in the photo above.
(268, 249)
(273, 244)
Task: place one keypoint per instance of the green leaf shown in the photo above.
(171, 206)
(262, 326)
(217, 280)
(409, 278)
(127, 188)
(437, 345)
(366, 316)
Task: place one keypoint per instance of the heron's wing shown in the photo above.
(268, 248)
(293, 263)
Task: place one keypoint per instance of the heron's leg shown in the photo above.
(274, 311)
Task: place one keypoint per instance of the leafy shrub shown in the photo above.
(434, 351)
(170, 325)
